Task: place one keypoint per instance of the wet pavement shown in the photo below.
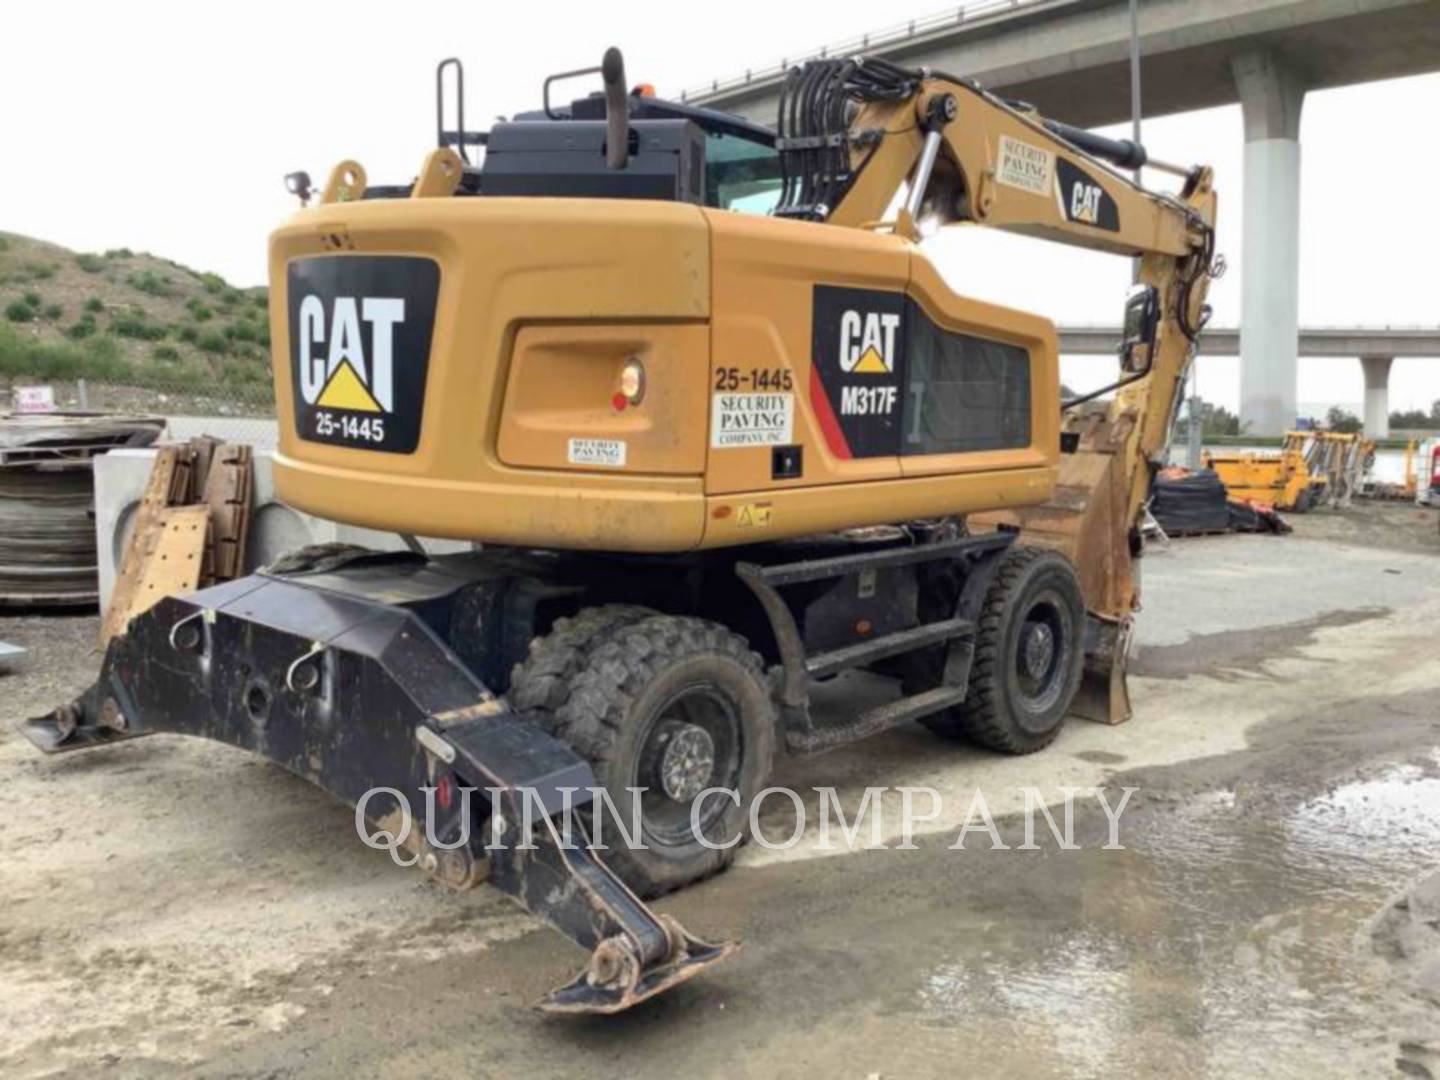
(173, 908)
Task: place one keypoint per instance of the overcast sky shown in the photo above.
(168, 127)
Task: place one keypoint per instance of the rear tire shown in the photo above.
(542, 680)
(674, 705)
(1029, 657)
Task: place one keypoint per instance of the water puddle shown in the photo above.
(1232, 923)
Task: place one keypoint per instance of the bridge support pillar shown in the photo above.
(1377, 395)
(1271, 96)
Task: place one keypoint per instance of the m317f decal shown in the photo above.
(857, 346)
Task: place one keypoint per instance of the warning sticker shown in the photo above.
(1030, 168)
(755, 516)
(751, 419)
(607, 452)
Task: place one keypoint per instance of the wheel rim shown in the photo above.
(692, 744)
(1043, 649)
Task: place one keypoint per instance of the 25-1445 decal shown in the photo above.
(734, 378)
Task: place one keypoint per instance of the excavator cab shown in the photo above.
(614, 144)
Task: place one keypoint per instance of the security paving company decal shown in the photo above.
(360, 329)
(858, 347)
(751, 420)
(1023, 166)
(607, 453)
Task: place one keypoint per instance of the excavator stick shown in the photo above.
(339, 679)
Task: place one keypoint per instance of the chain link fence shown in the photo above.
(232, 413)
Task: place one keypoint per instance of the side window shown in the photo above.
(741, 175)
(962, 393)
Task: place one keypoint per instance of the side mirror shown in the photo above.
(1142, 319)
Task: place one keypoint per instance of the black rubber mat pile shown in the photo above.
(47, 497)
(1189, 504)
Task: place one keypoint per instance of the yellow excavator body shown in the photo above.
(769, 354)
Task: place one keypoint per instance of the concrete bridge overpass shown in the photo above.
(1070, 58)
(1376, 347)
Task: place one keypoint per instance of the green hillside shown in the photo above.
(128, 319)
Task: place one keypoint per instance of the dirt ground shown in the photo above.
(171, 907)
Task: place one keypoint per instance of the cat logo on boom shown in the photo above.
(867, 342)
(1085, 203)
(343, 376)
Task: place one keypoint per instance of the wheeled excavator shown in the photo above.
(717, 430)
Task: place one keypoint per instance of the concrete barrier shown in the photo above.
(274, 527)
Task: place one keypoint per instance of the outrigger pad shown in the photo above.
(47, 734)
(66, 728)
(589, 993)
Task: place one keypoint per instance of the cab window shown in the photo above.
(741, 174)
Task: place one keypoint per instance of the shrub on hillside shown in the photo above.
(95, 305)
(53, 312)
(4, 245)
(252, 378)
(84, 328)
(19, 311)
(119, 253)
(97, 358)
(150, 283)
(38, 271)
(189, 334)
(167, 354)
(132, 324)
(213, 283)
(32, 298)
(198, 311)
(89, 262)
(213, 343)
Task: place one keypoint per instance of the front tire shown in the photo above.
(673, 705)
(1029, 656)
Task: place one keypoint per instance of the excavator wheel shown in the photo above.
(542, 680)
(673, 705)
(1029, 654)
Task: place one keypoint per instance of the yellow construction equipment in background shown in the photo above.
(1313, 468)
(1280, 480)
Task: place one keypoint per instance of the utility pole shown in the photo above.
(1135, 76)
(1196, 427)
(1135, 104)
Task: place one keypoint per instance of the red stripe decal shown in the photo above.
(825, 415)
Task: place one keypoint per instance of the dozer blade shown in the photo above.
(1087, 522)
(347, 686)
(1104, 694)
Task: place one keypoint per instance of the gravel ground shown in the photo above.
(173, 907)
